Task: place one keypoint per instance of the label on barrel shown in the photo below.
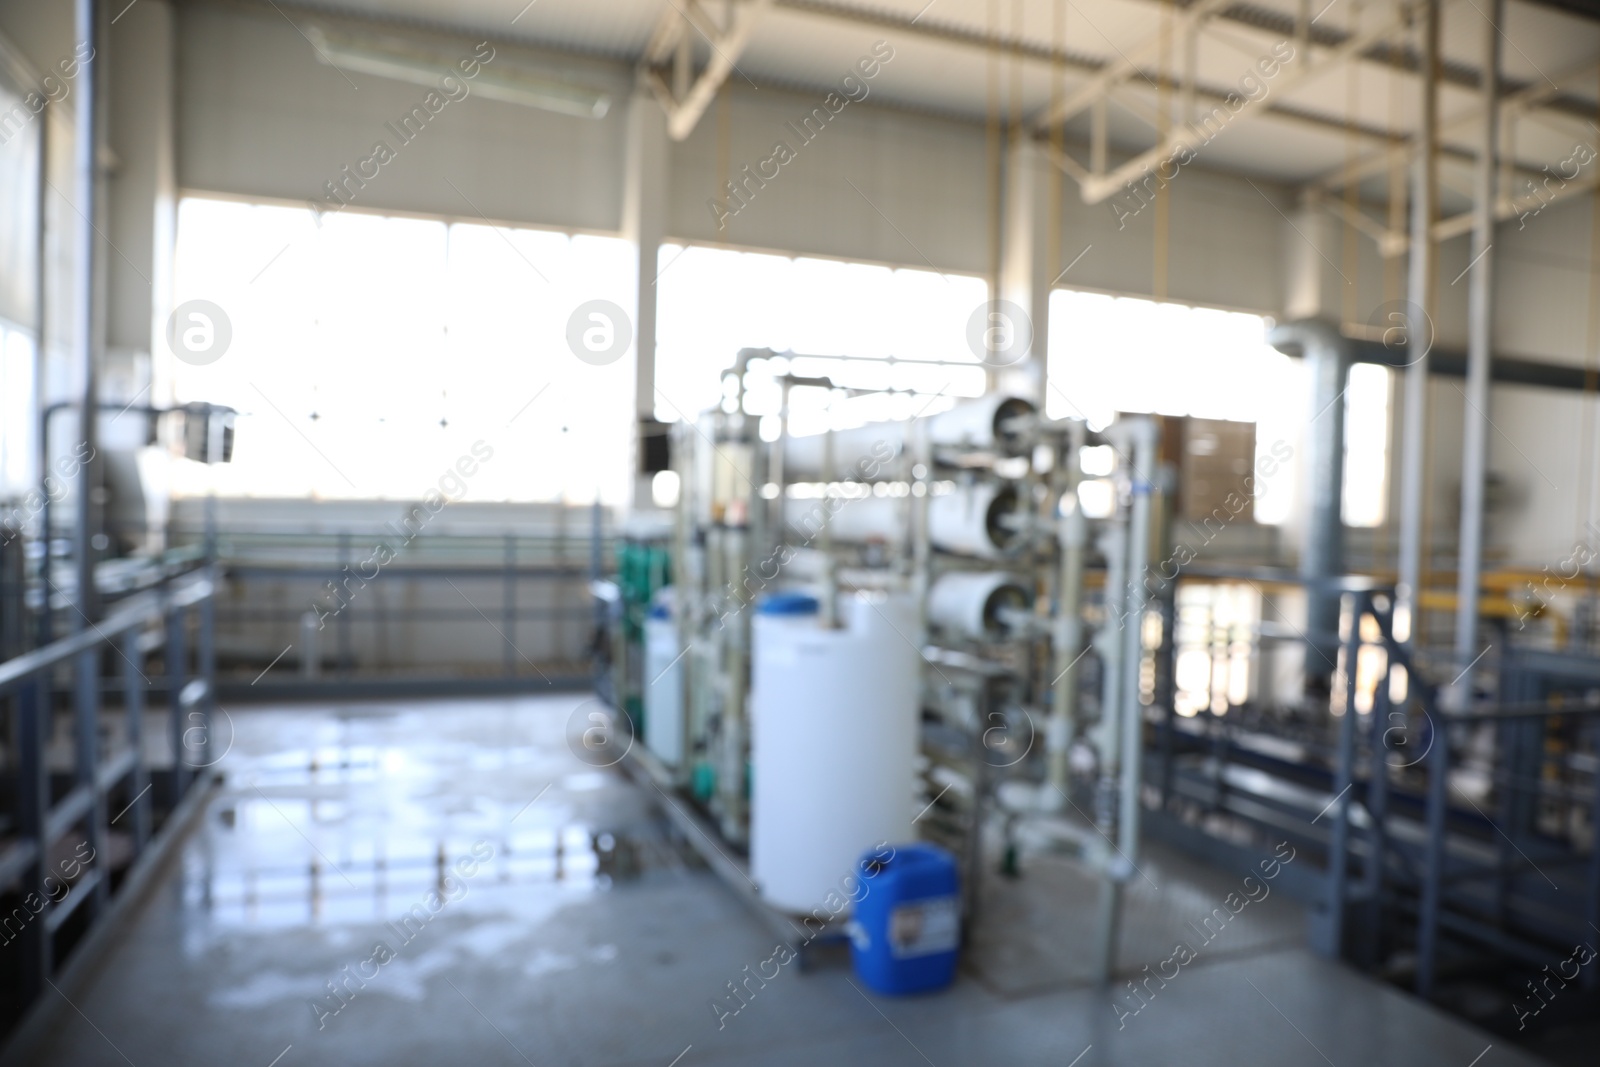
(925, 927)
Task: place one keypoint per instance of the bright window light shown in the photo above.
(17, 424)
(1097, 497)
(370, 354)
(664, 489)
(715, 301)
(1366, 445)
(1111, 354)
(1097, 461)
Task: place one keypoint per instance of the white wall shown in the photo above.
(259, 115)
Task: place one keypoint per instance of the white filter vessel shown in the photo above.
(968, 521)
(663, 689)
(834, 737)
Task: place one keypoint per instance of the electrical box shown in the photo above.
(207, 432)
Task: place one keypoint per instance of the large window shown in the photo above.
(862, 320)
(17, 464)
(369, 354)
(1111, 354)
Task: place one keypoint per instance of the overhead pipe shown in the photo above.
(1480, 326)
(1447, 363)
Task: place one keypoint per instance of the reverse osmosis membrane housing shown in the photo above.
(863, 453)
(973, 520)
(974, 605)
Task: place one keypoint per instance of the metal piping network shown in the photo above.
(1480, 324)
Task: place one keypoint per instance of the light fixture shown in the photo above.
(400, 60)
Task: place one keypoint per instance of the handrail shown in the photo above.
(132, 612)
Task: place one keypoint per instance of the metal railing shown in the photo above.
(1469, 874)
(338, 618)
(55, 899)
(1441, 837)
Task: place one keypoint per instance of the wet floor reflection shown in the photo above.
(357, 817)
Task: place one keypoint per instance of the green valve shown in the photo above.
(703, 782)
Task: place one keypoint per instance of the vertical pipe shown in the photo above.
(205, 667)
(1143, 447)
(47, 619)
(776, 519)
(346, 655)
(1344, 779)
(1072, 531)
(1126, 714)
(85, 164)
(1480, 326)
(830, 578)
(1378, 809)
(1323, 557)
(1419, 334)
(736, 670)
(508, 596)
(86, 294)
(176, 656)
(688, 595)
(1591, 978)
(86, 756)
(33, 803)
(1434, 853)
(920, 447)
(133, 710)
(1114, 546)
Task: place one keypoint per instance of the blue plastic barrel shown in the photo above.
(907, 926)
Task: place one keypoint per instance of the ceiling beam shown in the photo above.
(1193, 134)
(1390, 55)
(685, 97)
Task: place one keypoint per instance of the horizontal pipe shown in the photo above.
(1507, 370)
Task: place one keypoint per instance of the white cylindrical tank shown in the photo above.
(860, 454)
(834, 718)
(970, 521)
(967, 604)
(863, 453)
(983, 424)
(663, 686)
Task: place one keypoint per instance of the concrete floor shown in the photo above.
(334, 823)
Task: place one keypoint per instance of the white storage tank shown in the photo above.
(833, 742)
(663, 682)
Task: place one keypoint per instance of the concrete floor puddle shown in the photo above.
(447, 883)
